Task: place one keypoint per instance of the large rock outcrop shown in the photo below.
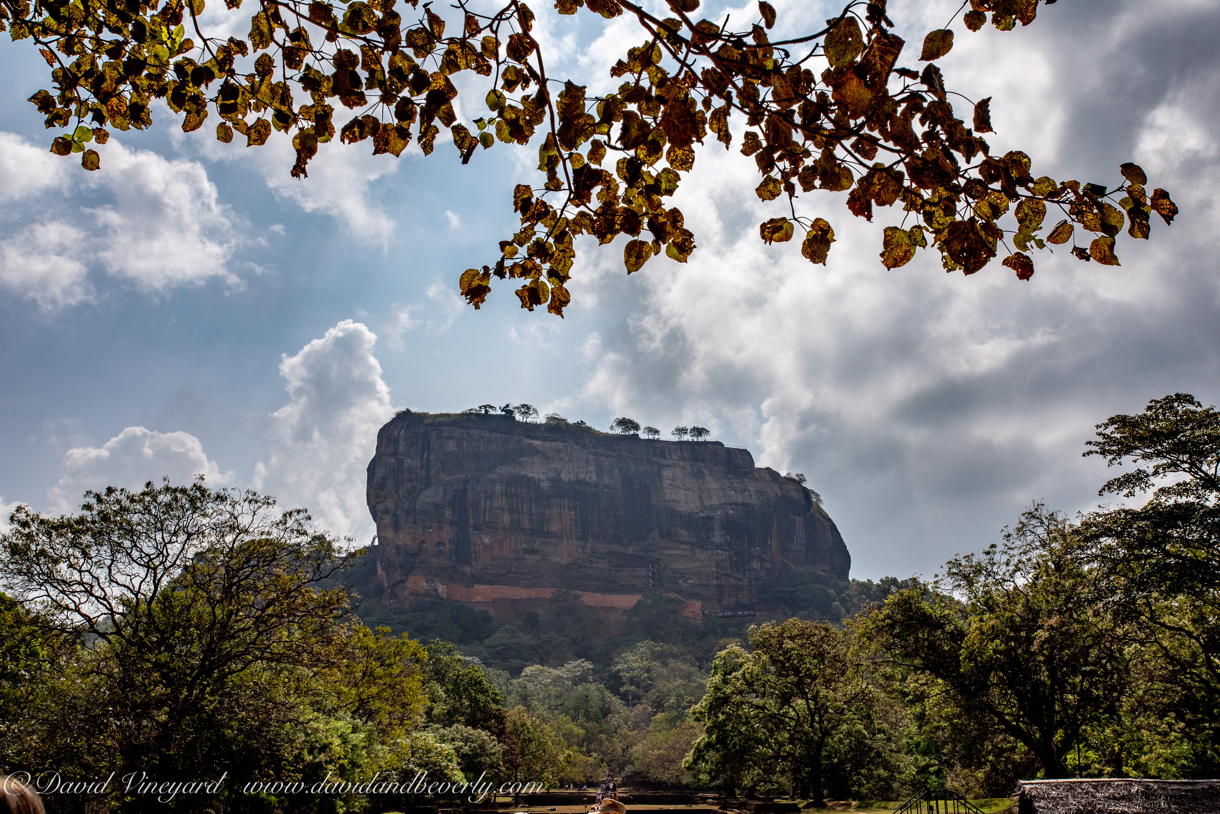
(485, 509)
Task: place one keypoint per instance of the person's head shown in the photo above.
(21, 799)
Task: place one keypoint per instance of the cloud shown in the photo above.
(338, 185)
(437, 316)
(927, 408)
(6, 509)
(40, 262)
(402, 319)
(26, 169)
(325, 436)
(166, 226)
(158, 224)
(131, 459)
(340, 182)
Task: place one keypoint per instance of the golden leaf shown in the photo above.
(1102, 250)
(936, 44)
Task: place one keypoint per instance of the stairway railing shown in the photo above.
(938, 801)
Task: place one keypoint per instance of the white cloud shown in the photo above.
(338, 185)
(131, 459)
(40, 262)
(327, 433)
(455, 222)
(402, 319)
(166, 226)
(437, 316)
(26, 169)
(339, 182)
(5, 510)
(158, 223)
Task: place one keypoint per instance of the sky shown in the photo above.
(192, 309)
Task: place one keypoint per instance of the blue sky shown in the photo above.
(191, 308)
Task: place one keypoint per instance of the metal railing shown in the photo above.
(938, 801)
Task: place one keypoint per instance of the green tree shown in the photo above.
(208, 638)
(1166, 552)
(625, 426)
(660, 753)
(460, 694)
(838, 108)
(1163, 561)
(534, 752)
(1022, 634)
(773, 711)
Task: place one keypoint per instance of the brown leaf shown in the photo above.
(850, 90)
(768, 13)
(1062, 233)
(1021, 264)
(475, 285)
(1030, 214)
(974, 19)
(535, 292)
(817, 241)
(91, 160)
(681, 159)
(751, 143)
(1102, 250)
(886, 186)
(878, 61)
(258, 133)
(635, 254)
(966, 246)
(769, 189)
(559, 300)
(776, 230)
(1139, 228)
(260, 32)
(1163, 205)
(1081, 253)
(897, 249)
(1112, 220)
(1027, 10)
(860, 201)
(982, 116)
(844, 42)
(678, 122)
(1134, 174)
(936, 44)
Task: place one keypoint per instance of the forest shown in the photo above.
(192, 635)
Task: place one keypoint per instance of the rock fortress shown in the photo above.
(501, 515)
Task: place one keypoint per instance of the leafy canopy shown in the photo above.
(1165, 555)
(1020, 634)
(776, 708)
(836, 109)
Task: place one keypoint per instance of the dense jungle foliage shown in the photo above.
(183, 633)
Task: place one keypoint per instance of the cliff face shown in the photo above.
(484, 509)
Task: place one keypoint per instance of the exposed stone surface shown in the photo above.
(485, 509)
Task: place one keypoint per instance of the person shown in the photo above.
(612, 807)
(21, 799)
